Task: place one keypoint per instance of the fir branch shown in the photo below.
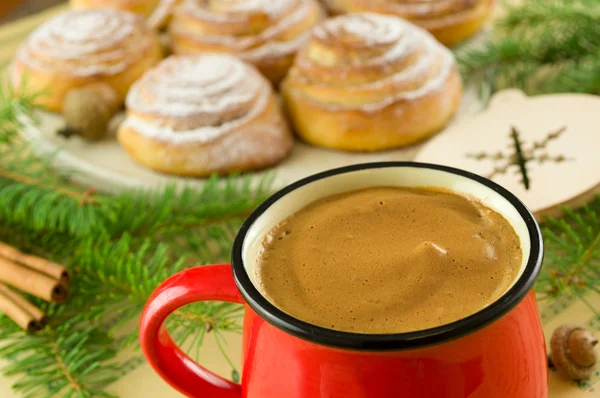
(524, 14)
(572, 253)
(43, 207)
(12, 107)
(582, 76)
(83, 198)
(28, 192)
(218, 201)
(68, 359)
(539, 46)
(119, 248)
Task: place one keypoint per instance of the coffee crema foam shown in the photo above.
(388, 260)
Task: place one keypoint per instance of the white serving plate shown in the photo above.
(105, 166)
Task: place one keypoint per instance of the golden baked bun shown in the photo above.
(366, 82)
(450, 21)
(204, 114)
(79, 48)
(142, 7)
(266, 33)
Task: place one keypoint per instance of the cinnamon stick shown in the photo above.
(42, 265)
(21, 311)
(32, 282)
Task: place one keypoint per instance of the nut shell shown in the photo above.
(581, 345)
(573, 352)
(88, 110)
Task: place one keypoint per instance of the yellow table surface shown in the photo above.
(143, 383)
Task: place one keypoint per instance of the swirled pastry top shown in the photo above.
(101, 42)
(253, 29)
(196, 98)
(369, 61)
(415, 10)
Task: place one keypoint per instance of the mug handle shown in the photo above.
(210, 282)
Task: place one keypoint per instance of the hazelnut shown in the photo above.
(573, 352)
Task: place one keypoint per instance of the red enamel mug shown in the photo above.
(498, 352)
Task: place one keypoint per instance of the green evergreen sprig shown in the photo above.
(539, 46)
(119, 248)
(572, 254)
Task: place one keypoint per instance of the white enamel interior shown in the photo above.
(386, 176)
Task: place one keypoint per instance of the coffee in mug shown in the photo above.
(415, 280)
(388, 260)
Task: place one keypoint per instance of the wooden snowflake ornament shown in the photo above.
(543, 149)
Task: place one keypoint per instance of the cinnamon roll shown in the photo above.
(450, 21)
(198, 115)
(142, 7)
(79, 48)
(367, 82)
(265, 33)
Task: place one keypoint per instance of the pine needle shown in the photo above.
(539, 46)
(572, 254)
(119, 249)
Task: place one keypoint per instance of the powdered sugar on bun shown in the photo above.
(450, 21)
(252, 29)
(419, 9)
(195, 115)
(87, 43)
(198, 99)
(373, 60)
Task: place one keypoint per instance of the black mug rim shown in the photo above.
(394, 341)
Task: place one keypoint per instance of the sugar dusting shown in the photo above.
(421, 9)
(87, 42)
(366, 28)
(220, 8)
(273, 41)
(196, 99)
(215, 103)
(388, 40)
